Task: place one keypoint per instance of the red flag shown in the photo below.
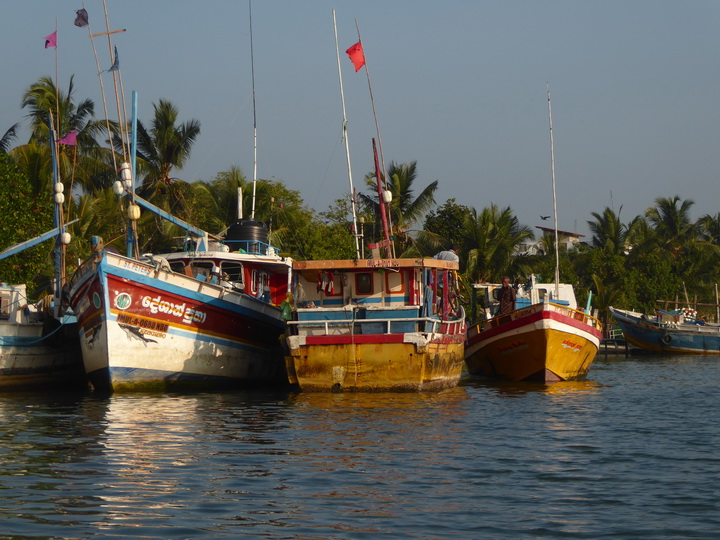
(70, 139)
(51, 40)
(357, 56)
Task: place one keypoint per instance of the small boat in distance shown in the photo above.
(546, 339)
(669, 332)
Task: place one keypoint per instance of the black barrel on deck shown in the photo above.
(248, 234)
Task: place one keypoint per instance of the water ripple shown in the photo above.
(629, 453)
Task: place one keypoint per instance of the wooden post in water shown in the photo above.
(717, 305)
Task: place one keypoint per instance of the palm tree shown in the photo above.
(490, 239)
(42, 97)
(405, 209)
(608, 232)
(165, 146)
(87, 163)
(670, 219)
(6, 139)
(710, 228)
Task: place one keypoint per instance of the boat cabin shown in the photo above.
(244, 261)
(14, 307)
(528, 294)
(374, 296)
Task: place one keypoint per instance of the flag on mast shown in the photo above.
(116, 62)
(51, 40)
(357, 56)
(70, 139)
(82, 18)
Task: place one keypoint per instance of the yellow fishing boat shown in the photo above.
(375, 325)
(547, 339)
(544, 337)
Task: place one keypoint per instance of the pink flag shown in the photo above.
(357, 56)
(51, 40)
(70, 139)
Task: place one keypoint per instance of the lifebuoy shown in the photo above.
(666, 339)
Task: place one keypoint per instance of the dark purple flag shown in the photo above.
(82, 18)
(116, 62)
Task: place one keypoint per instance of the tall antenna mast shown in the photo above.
(252, 71)
(552, 172)
(347, 144)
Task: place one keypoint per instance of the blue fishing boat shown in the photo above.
(669, 332)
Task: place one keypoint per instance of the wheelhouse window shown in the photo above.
(178, 267)
(5, 306)
(234, 271)
(394, 282)
(364, 283)
(201, 268)
(254, 282)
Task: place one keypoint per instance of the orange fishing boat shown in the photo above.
(547, 339)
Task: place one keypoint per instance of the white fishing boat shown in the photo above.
(37, 347)
(205, 317)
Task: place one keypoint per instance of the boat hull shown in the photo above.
(40, 356)
(668, 338)
(375, 363)
(144, 328)
(541, 343)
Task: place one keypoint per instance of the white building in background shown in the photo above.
(567, 240)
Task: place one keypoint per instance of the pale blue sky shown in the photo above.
(459, 86)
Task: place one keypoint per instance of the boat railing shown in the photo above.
(576, 314)
(251, 247)
(400, 325)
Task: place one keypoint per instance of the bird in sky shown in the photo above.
(544, 217)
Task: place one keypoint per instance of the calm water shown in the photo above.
(633, 452)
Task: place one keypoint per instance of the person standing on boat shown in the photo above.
(449, 255)
(507, 298)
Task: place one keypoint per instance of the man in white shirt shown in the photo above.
(449, 255)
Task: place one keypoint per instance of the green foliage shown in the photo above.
(24, 217)
(406, 210)
(446, 223)
(489, 241)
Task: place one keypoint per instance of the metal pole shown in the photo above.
(347, 143)
(552, 171)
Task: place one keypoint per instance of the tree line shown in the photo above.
(661, 254)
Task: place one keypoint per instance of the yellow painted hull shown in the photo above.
(537, 344)
(376, 367)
